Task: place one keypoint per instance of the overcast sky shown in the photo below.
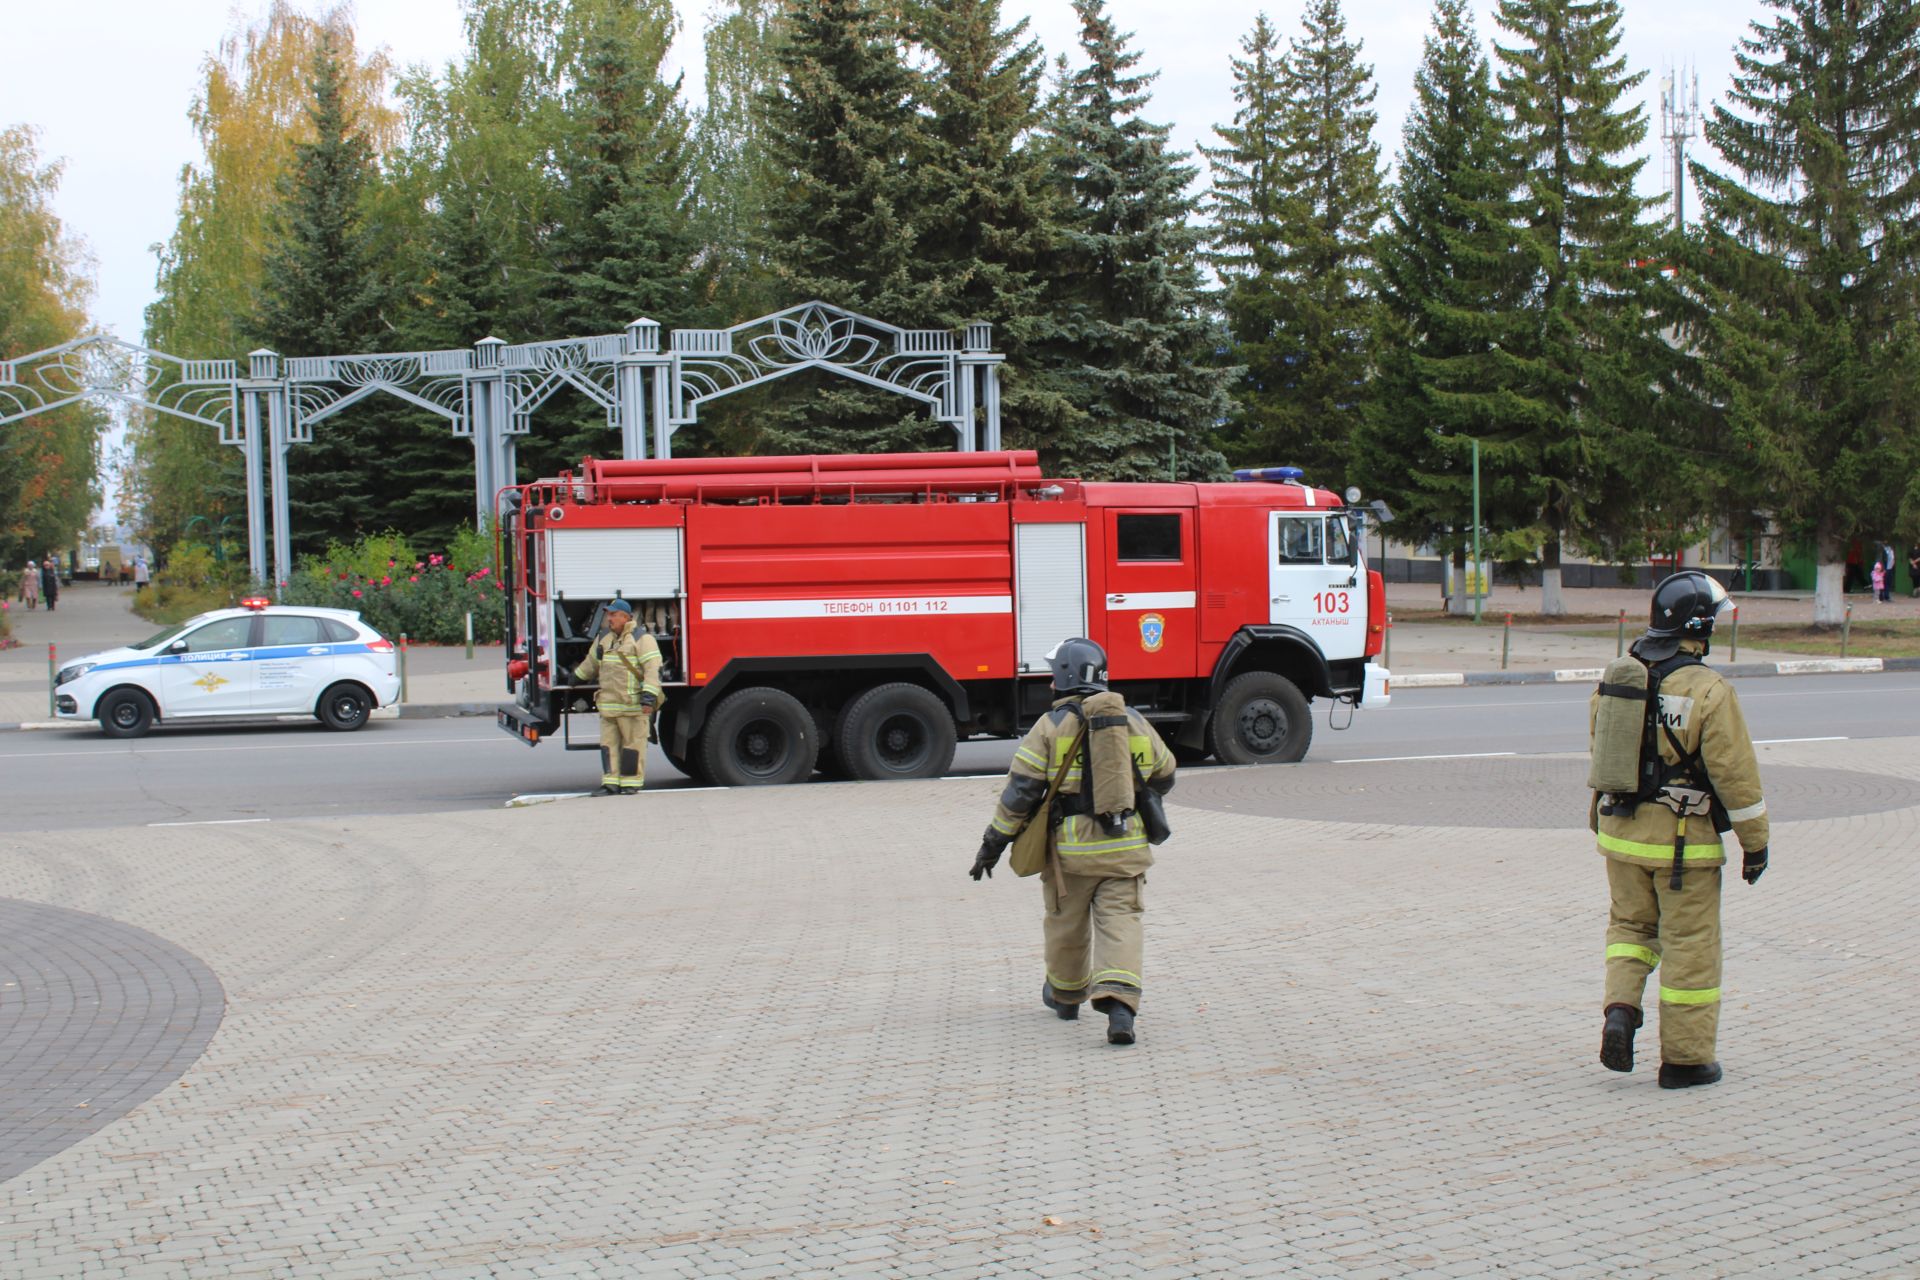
(107, 82)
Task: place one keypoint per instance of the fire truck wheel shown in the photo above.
(1184, 755)
(895, 731)
(757, 737)
(1262, 719)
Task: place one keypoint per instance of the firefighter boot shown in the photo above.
(1683, 1075)
(1616, 1041)
(1119, 1023)
(1065, 1012)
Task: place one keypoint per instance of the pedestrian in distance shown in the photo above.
(50, 582)
(1081, 806)
(1673, 768)
(625, 660)
(140, 575)
(1913, 571)
(30, 585)
(1880, 591)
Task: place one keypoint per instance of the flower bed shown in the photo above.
(427, 599)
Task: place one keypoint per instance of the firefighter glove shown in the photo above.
(648, 702)
(1753, 864)
(985, 861)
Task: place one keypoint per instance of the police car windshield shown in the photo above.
(159, 638)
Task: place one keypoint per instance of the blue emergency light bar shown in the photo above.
(1271, 475)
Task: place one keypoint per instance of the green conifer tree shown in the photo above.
(323, 292)
(843, 131)
(1300, 312)
(1124, 336)
(988, 211)
(1810, 271)
(1588, 352)
(1449, 276)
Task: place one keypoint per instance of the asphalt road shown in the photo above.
(60, 779)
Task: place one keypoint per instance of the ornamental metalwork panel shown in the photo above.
(103, 368)
(321, 386)
(536, 370)
(922, 364)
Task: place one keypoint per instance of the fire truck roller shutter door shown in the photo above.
(758, 736)
(895, 730)
(1050, 573)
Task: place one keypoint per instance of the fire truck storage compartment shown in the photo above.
(588, 567)
(1051, 570)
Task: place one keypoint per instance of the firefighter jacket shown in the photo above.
(1083, 846)
(627, 664)
(1699, 706)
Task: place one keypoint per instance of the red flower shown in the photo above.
(414, 578)
(356, 593)
(386, 582)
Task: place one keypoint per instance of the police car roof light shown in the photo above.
(1271, 475)
(255, 602)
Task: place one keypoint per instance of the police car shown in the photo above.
(258, 660)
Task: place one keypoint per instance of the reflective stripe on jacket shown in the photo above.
(626, 665)
(1083, 845)
(1700, 706)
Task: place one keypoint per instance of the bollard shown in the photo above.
(1733, 648)
(1506, 641)
(403, 666)
(1620, 641)
(469, 635)
(1386, 643)
(53, 670)
(1846, 625)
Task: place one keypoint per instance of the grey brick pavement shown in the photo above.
(777, 1033)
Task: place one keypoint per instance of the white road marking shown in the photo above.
(211, 822)
(1772, 742)
(262, 746)
(1465, 755)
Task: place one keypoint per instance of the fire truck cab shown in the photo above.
(860, 614)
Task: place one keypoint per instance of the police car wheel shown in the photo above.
(126, 713)
(895, 730)
(345, 707)
(759, 737)
(1262, 719)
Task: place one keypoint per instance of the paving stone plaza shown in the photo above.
(778, 1033)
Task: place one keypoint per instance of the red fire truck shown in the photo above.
(859, 614)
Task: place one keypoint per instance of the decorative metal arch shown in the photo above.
(489, 393)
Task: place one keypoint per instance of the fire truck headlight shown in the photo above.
(1353, 495)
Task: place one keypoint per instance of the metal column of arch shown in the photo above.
(268, 414)
(488, 414)
(640, 391)
(253, 444)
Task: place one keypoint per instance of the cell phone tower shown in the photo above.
(1679, 121)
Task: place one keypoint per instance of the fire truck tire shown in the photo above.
(1184, 755)
(1262, 718)
(895, 731)
(758, 737)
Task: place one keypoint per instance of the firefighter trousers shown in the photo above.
(623, 750)
(1678, 932)
(1094, 937)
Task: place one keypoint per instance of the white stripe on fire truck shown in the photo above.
(855, 607)
(1127, 601)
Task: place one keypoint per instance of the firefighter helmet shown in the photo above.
(1079, 666)
(1685, 607)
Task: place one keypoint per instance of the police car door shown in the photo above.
(293, 663)
(209, 671)
(1314, 579)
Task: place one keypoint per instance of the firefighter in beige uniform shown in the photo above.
(1662, 844)
(626, 662)
(1095, 876)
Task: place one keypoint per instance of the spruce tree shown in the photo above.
(843, 131)
(1587, 349)
(988, 211)
(322, 293)
(1810, 273)
(1449, 278)
(1124, 336)
(1302, 322)
(624, 245)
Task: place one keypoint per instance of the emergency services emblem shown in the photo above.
(1153, 632)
